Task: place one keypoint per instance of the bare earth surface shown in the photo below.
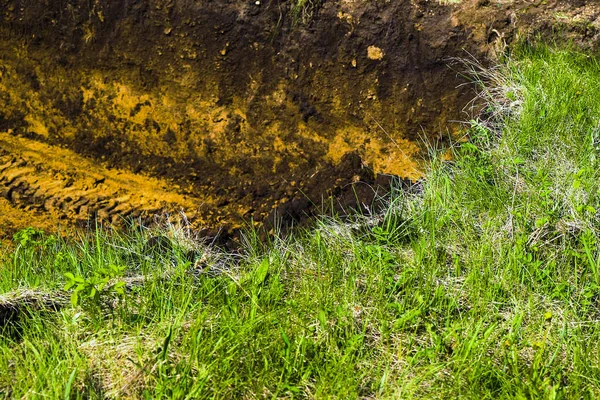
(232, 111)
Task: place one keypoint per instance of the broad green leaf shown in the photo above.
(74, 299)
(285, 338)
(118, 287)
(260, 273)
(322, 319)
(165, 349)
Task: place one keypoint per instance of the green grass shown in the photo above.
(486, 285)
(303, 11)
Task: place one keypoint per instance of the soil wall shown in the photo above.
(254, 107)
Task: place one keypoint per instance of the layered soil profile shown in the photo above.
(236, 111)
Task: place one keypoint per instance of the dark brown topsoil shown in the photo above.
(265, 108)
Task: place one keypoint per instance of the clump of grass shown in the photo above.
(303, 11)
(485, 285)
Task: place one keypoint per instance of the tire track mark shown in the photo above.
(61, 185)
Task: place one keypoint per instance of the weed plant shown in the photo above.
(485, 285)
(303, 11)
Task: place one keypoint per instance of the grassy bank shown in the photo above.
(485, 285)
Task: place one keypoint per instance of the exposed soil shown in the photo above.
(236, 111)
(70, 189)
